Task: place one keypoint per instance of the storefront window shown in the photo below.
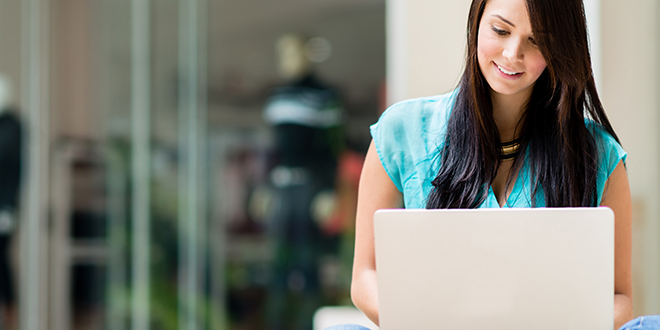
(186, 164)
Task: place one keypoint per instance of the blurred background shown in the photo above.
(193, 164)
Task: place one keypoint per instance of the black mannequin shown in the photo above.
(305, 116)
(10, 174)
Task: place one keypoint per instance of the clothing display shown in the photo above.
(409, 137)
(10, 174)
(306, 102)
(10, 159)
(305, 117)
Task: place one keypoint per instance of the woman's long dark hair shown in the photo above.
(561, 151)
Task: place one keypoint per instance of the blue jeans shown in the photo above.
(641, 323)
(651, 322)
(347, 327)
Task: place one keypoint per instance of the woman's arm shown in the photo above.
(617, 197)
(377, 191)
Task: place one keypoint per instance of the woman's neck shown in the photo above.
(508, 111)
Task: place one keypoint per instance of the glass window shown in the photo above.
(186, 164)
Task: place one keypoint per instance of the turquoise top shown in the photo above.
(409, 136)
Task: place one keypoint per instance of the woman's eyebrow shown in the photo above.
(504, 19)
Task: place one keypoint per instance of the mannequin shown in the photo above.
(10, 173)
(305, 116)
(302, 108)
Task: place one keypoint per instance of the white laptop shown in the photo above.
(544, 268)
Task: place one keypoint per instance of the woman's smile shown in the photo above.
(507, 74)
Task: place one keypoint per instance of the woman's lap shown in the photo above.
(347, 327)
(651, 322)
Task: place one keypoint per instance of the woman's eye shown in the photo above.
(498, 31)
(532, 40)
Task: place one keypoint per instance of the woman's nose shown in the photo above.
(513, 50)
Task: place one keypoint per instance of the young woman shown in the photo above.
(525, 128)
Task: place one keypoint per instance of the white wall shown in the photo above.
(426, 47)
(631, 38)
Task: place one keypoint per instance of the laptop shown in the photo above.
(543, 268)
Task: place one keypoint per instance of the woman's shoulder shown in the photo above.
(407, 137)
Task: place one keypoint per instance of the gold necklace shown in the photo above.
(509, 150)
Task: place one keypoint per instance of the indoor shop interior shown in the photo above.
(194, 164)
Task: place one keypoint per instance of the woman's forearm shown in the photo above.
(623, 311)
(364, 293)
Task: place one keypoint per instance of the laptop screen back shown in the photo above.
(495, 269)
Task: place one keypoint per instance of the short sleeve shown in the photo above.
(610, 154)
(407, 137)
(389, 129)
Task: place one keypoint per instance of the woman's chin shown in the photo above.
(509, 91)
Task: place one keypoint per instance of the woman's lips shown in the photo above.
(503, 72)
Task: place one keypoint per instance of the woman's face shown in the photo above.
(508, 56)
